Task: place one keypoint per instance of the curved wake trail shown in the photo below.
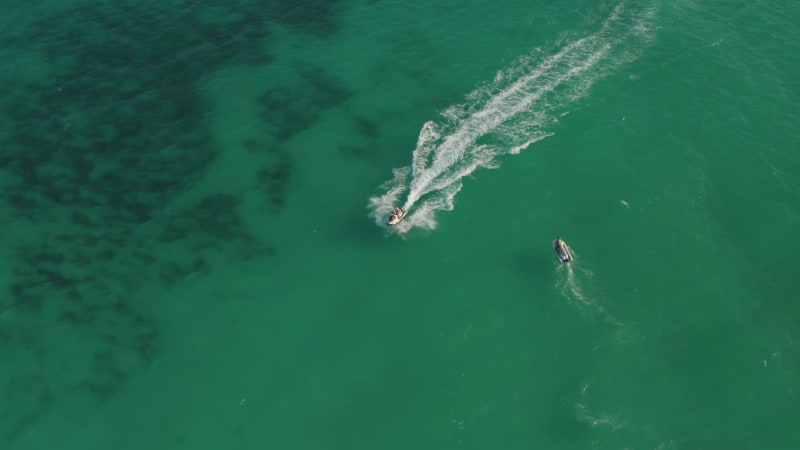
(506, 116)
(574, 282)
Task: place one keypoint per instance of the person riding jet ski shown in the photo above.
(396, 216)
(562, 250)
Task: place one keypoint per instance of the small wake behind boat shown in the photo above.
(562, 250)
(396, 216)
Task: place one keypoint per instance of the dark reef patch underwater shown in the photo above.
(97, 147)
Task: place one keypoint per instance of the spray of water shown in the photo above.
(505, 116)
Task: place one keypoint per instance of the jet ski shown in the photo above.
(562, 250)
(396, 216)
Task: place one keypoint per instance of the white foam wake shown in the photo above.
(506, 116)
(574, 282)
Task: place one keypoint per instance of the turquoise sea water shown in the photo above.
(194, 255)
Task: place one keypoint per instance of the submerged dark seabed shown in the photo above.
(168, 283)
(96, 146)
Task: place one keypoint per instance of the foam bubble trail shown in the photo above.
(506, 116)
(573, 281)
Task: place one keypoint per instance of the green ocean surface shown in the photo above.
(195, 255)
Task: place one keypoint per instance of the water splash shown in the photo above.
(506, 116)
